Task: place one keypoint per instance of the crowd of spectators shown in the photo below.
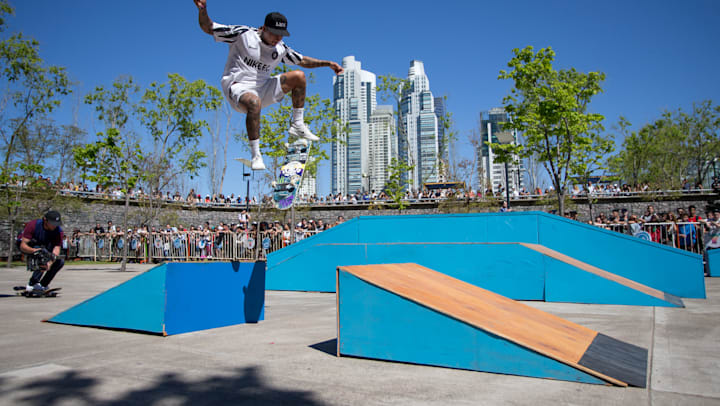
(302, 229)
(194, 198)
(682, 228)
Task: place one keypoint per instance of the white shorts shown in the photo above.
(269, 92)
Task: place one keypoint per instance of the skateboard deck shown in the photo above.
(246, 162)
(20, 291)
(287, 185)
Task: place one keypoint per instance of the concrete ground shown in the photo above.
(289, 357)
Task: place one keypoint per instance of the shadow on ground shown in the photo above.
(245, 386)
(328, 347)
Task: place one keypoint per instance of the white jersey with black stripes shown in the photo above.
(250, 61)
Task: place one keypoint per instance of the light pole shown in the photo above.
(506, 137)
(246, 177)
(507, 186)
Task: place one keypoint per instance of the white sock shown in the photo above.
(297, 116)
(255, 148)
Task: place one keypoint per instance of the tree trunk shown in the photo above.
(561, 202)
(125, 233)
(11, 244)
(12, 213)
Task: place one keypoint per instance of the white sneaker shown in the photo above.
(36, 288)
(257, 163)
(303, 131)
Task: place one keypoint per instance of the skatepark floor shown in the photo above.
(289, 358)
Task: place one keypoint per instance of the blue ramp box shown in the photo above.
(381, 324)
(713, 258)
(175, 298)
(309, 265)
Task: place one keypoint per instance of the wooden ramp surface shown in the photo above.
(611, 360)
(605, 274)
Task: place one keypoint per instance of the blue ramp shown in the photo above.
(176, 298)
(408, 313)
(713, 257)
(454, 239)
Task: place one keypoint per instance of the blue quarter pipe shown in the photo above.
(461, 245)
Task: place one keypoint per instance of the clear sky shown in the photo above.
(657, 55)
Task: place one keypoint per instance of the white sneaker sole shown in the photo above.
(249, 164)
(308, 136)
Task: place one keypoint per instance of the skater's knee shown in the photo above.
(297, 78)
(251, 103)
(292, 80)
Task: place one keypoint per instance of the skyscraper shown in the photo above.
(361, 158)
(418, 138)
(382, 147)
(354, 101)
(493, 173)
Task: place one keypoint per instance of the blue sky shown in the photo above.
(657, 55)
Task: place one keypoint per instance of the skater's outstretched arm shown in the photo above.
(203, 18)
(309, 62)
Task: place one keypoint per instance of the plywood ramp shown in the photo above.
(604, 274)
(611, 360)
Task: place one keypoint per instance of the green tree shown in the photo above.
(218, 148)
(168, 112)
(116, 158)
(550, 108)
(593, 163)
(30, 89)
(397, 183)
(656, 155)
(701, 128)
(449, 167)
(70, 137)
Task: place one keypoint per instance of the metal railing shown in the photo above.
(361, 200)
(688, 236)
(231, 246)
(180, 246)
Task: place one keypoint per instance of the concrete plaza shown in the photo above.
(289, 358)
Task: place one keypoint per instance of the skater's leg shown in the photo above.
(35, 278)
(50, 273)
(296, 82)
(252, 104)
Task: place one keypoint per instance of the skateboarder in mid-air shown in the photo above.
(247, 82)
(40, 241)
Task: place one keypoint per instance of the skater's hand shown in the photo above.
(337, 68)
(201, 4)
(43, 260)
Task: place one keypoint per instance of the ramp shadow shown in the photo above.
(328, 347)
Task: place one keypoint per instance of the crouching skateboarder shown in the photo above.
(40, 241)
